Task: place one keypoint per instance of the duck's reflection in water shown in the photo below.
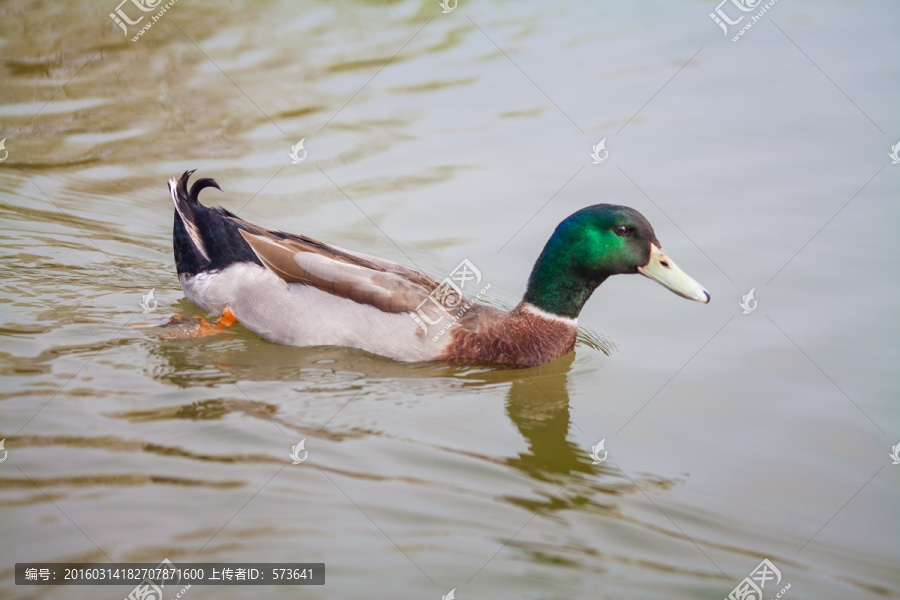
(538, 405)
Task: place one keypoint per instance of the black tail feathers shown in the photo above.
(205, 239)
(200, 184)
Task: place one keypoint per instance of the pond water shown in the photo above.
(433, 137)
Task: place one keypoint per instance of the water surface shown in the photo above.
(432, 138)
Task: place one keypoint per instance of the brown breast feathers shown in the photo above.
(520, 337)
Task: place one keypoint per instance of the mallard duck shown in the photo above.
(294, 290)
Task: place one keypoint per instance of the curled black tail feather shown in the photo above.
(181, 187)
(200, 184)
(192, 196)
(205, 239)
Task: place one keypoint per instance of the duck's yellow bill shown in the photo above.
(662, 269)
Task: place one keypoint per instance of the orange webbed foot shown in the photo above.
(180, 327)
(226, 320)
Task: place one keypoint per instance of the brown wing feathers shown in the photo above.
(296, 259)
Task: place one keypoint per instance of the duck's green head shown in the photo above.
(594, 243)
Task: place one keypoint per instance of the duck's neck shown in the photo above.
(556, 286)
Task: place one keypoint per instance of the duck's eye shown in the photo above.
(621, 230)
